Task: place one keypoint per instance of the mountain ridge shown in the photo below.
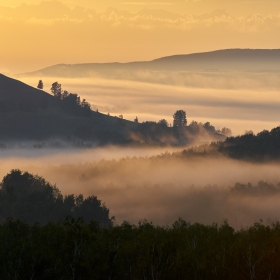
(219, 60)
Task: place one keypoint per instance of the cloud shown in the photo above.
(48, 13)
(145, 3)
(86, 35)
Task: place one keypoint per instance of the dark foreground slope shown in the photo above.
(221, 60)
(30, 114)
(76, 250)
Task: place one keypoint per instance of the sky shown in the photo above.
(38, 34)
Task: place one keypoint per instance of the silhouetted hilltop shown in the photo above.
(221, 60)
(255, 147)
(261, 147)
(30, 114)
(15, 95)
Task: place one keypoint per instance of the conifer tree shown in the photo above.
(40, 85)
(179, 118)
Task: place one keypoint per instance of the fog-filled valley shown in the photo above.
(146, 174)
(158, 185)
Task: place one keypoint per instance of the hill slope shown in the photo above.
(222, 60)
(31, 114)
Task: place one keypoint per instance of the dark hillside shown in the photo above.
(31, 114)
(260, 147)
(17, 96)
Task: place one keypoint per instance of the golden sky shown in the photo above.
(42, 33)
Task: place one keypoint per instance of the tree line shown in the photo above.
(180, 121)
(161, 133)
(71, 102)
(179, 117)
(73, 249)
(262, 146)
(37, 241)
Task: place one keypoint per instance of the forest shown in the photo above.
(46, 235)
(73, 249)
(261, 147)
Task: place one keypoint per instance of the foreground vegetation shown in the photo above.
(32, 199)
(87, 245)
(74, 249)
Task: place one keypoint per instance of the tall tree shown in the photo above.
(56, 90)
(40, 85)
(179, 118)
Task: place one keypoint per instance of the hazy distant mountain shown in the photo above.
(30, 114)
(259, 60)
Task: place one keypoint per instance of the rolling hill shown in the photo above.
(31, 114)
(259, 60)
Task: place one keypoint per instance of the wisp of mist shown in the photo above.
(137, 184)
(240, 101)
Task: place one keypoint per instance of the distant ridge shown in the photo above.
(220, 60)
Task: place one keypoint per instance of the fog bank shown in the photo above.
(160, 188)
(239, 101)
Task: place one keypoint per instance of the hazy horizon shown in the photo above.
(91, 31)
